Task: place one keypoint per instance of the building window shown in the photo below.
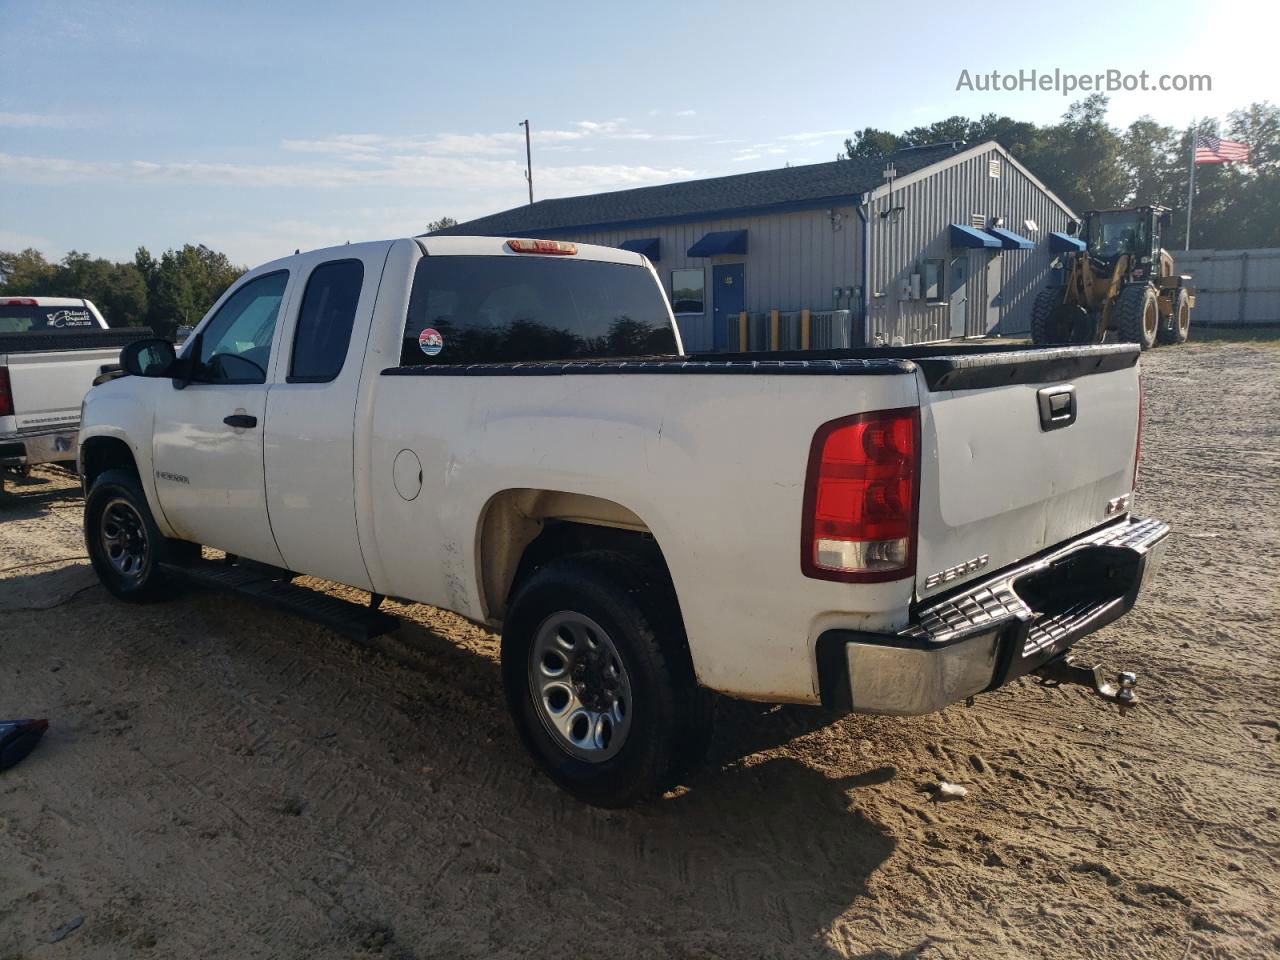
(993, 169)
(687, 292)
(933, 285)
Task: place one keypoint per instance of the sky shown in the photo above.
(258, 128)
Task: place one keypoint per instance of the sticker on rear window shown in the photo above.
(70, 318)
(430, 342)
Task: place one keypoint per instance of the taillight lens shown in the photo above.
(860, 498)
(6, 394)
(554, 247)
(1137, 453)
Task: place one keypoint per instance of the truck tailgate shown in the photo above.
(49, 385)
(1006, 481)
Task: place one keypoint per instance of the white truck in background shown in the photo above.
(510, 429)
(51, 351)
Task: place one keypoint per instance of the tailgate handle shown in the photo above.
(1057, 407)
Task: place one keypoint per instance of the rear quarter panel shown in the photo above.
(713, 464)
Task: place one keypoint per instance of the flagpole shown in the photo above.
(1191, 186)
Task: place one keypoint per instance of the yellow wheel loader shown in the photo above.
(1121, 286)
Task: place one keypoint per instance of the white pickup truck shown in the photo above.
(51, 350)
(509, 429)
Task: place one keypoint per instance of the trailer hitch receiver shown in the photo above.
(1121, 690)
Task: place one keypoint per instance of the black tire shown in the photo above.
(1178, 328)
(1137, 315)
(125, 546)
(1045, 325)
(669, 716)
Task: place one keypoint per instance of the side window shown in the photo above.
(236, 344)
(328, 311)
(687, 294)
(933, 287)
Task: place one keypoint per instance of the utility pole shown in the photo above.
(528, 158)
(1191, 186)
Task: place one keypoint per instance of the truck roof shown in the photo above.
(497, 247)
(46, 301)
(481, 247)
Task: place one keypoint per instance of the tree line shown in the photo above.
(1092, 165)
(1083, 159)
(162, 293)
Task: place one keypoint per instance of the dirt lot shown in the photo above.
(223, 781)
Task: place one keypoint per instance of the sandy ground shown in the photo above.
(223, 781)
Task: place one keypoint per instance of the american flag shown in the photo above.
(1217, 150)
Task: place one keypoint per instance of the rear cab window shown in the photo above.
(24, 317)
(500, 309)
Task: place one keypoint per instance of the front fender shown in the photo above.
(124, 410)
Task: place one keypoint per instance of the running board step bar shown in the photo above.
(275, 588)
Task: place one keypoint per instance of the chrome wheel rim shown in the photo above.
(124, 539)
(1184, 320)
(580, 687)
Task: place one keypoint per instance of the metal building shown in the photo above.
(928, 243)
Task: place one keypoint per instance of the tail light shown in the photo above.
(1137, 453)
(557, 247)
(6, 394)
(860, 498)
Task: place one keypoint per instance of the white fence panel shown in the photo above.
(1234, 288)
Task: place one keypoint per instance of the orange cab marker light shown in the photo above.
(556, 247)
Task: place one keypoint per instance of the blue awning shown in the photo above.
(1063, 243)
(963, 236)
(718, 242)
(645, 246)
(1010, 240)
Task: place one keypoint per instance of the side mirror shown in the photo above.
(148, 358)
(1073, 226)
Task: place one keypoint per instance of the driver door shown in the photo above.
(208, 437)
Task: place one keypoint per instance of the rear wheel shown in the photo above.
(598, 681)
(1137, 314)
(1179, 325)
(125, 545)
(1046, 324)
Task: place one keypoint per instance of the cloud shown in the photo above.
(12, 240)
(47, 121)
(394, 170)
(686, 113)
(812, 135)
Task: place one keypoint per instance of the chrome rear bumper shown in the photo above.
(995, 630)
(22, 449)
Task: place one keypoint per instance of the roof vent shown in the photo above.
(993, 168)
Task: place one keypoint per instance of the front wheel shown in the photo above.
(598, 681)
(1137, 314)
(125, 545)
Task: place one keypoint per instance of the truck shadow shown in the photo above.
(757, 855)
(25, 498)
(750, 851)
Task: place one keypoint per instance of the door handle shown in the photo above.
(241, 421)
